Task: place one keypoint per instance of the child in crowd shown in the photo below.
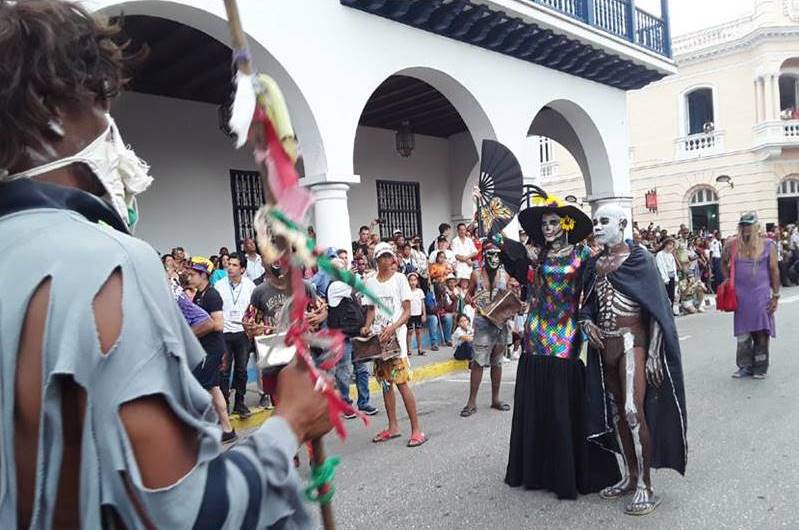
(418, 318)
(440, 269)
(462, 338)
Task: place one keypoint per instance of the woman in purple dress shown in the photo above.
(757, 288)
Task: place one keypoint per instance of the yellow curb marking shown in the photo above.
(423, 373)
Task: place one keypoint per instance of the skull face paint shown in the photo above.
(550, 227)
(492, 258)
(610, 221)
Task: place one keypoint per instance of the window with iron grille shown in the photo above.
(398, 207)
(247, 195)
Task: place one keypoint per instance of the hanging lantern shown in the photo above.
(405, 140)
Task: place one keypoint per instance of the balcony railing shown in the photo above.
(549, 171)
(620, 18)
(775, 135)
(697, 145)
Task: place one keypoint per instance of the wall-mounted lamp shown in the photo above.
(725, 179)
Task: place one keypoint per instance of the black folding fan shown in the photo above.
(500, 187)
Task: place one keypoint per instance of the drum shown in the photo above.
(272, 352)
(369, 349)
(504, 307)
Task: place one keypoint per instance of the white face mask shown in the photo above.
(123, 174)
(609, 223)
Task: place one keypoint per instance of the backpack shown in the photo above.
(430, 302)
(348, 316)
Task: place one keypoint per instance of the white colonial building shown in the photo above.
(722, 135)
(365, 80)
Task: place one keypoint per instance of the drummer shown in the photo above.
(485, 285)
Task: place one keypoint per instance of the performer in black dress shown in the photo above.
(548, 445)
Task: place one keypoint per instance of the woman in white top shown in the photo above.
(667, 266)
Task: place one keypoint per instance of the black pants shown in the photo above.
(670, 290)
(238, 349)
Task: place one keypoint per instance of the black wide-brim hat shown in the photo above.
(530, 219)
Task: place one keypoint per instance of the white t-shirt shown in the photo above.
(464, 248)
(459, 333)
(417, 302)
(235, 301)
(715, 248)
(255, 268)
(667, 266)
(391, 293)
(448, 253)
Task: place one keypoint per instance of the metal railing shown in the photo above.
(620, 18)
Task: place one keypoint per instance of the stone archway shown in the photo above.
(569, 125)
(213, 23)
(452, 152)
(172, 120)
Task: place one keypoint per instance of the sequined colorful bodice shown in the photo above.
(552, 323)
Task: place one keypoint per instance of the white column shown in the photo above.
(331, 215)
(625, 202)
(776, 97)
(771, 106)
(759, 115)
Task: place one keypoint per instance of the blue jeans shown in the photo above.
(362, 384)
(446, 327)
(343, 373)
(433, 330)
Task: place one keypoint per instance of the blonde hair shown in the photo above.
(754, 247)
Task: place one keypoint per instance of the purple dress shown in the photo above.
(753, 290)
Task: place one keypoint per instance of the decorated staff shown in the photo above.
(259, 114)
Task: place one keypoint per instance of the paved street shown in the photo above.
(743, 468)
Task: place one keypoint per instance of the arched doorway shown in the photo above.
(788, 201)
(416, 149)
(703, 205)
(573, 160)
(171, 115)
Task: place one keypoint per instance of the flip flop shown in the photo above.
(468, 411)
(384, 436)
(501, 405)
(417, 440)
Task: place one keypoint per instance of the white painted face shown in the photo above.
(610, 221)
(550, 227)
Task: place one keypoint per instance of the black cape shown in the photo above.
(638, 278)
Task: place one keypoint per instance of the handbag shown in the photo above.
(366, 349)
(726, 298)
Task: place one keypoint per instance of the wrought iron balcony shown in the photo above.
(620, 18)
(489, 25)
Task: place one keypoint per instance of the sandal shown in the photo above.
(384, 436)
(642, 507)
(422, 352)
(616, 492)
(417, 439)
(500, 405)
(468, 411)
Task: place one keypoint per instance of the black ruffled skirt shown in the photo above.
(548, 445)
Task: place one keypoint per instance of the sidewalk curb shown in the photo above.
(423, 373)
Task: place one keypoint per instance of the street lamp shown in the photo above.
(725, 179)
(405, 140)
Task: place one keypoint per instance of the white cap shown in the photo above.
(384, 248)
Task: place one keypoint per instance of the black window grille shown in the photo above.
(247, 195)
(398, 207)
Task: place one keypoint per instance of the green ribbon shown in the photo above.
(321, 476)
(326, 264)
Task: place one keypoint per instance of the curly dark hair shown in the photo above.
(52, 52)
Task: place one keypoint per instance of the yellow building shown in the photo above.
(718, 138)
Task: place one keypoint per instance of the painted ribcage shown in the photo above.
(613, 304)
